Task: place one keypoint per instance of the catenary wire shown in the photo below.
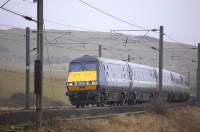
(112, 16)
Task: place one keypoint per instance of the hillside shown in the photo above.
(64, 45)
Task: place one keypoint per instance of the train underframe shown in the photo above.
(118, 97)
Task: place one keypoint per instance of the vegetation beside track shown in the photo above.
(181, 120)
(12, 83)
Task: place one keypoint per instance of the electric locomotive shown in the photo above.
(99, 81)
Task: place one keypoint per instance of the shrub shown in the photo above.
(158, 106)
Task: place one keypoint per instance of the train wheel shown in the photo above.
(134, 102)
(150, 97)
(77, 105)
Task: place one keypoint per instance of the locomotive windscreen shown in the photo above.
(84, 66)
(82, 76)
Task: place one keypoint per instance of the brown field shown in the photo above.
(14, 82)
(182, 120)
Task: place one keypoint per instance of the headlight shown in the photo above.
(69, 84)
(94, 82)
(91, 83)
(87, 83)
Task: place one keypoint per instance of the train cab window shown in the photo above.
(75, 67)
(85, 66)
(90, 66)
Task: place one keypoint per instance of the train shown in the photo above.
(101, 81)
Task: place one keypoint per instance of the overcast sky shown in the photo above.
(180, 18)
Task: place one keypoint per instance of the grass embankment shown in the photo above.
(182, 120)
(14, 82)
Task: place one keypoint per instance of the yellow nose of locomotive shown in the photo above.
(82, 80)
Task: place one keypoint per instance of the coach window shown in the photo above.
(149, 77)
(146, 76)
(138, 75)
(143, 76)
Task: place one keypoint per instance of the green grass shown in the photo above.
(14, 82)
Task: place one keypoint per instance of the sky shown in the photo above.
(180, 18)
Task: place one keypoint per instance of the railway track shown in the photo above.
(21, 116)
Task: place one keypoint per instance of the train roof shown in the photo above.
(84, 58)
(106, 60)
(113, 61)
(140, 65)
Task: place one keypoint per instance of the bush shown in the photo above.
(158, 106)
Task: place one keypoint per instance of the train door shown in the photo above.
(102, 76)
